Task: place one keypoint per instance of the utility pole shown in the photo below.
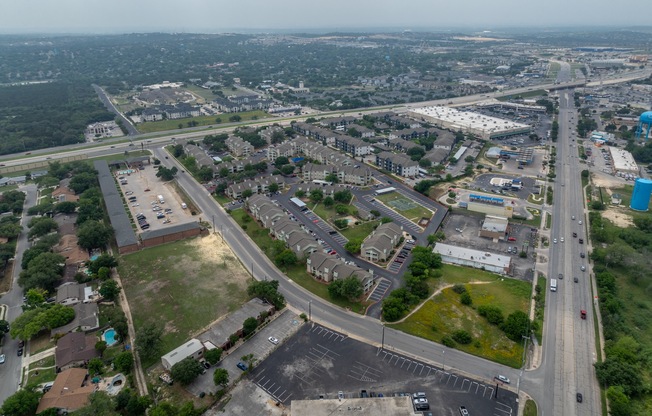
(310, 310)
(383, 340)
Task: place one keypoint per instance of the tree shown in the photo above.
(109, 290)
(287, 169)
(343, 196)
(83, 181)
(250, 360)
(221, 377)
(353, 246)
(100, 347)
(44, 271)
(100, 404)
(95, 366)
(273, 187)
(124, 362)
(148, 340)
(4, 326)
(22, 403)
(235, 118)
(249, 326)
(493, 314)
(247, 193)
(166, 174)
(317, 195)
(286, 258)
(341, 223)
(40, 226)
(619, 404)
(205, 174)
(213, 356)
(300, 194)
(268, 291)
(93, 234)
(104, 260)
(341, 209)
(349, 288)
(280, 161)
(516, 325)
(65, 207)
(186, 370)
(10, 230)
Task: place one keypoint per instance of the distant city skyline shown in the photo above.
(213, 16)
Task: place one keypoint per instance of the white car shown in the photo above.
(554, 240)
(273, 340)
(2, 358)
(502, 378)
(420, 401)
(580, 222)
(561, 239)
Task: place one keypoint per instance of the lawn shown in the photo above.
(221, 199)
(444, 314)
(530, 408)
(184, 285)
(121, 156)
(360, 231)
(165, 125)
(41, 376)
(297, 273)
(413, 211)
(534, 222)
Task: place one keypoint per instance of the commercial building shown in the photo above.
(495, 263)
(494, 227)
(623, 160)
(482, 126)
(193, 348)
(489, 205)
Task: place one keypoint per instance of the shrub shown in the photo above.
(459, 289)
(448, 341)
(493, 314)
(462, 337)
(465, 298)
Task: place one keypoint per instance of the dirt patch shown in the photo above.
(620, 219)
(5, 278)
(606, 181)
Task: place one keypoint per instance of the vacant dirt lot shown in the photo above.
(184, 285)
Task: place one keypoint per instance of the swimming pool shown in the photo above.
(109, 337)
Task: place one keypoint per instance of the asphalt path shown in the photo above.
(10, 371)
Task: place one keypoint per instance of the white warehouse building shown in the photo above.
(193, 348)
(623, 160)
(496, 263)
(482, 126)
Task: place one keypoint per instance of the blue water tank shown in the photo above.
(641, 195)
(646, 117)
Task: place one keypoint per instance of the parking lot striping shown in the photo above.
(328, 332)
(363, 372)
(505, 409)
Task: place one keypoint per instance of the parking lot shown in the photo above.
(281, 328)
(141, 189)
(319, 362)
(463, 230)
(482, 182)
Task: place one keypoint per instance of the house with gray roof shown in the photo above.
(86, 319)
(238, 147)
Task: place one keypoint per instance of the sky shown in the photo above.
(215, 16)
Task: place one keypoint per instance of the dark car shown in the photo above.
(581, 241)
(579, 397)
(363, 393)
(20, 352)
(575, 279)
(574, 234)
(582, 255)
(242, 366)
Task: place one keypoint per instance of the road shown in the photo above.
(569, 342)
(112, 108)
(11, 369)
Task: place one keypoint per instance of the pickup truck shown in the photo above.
(583, 314)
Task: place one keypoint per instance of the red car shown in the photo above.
(511, 239)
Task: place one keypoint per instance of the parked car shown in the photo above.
(2, 358)
(242, 366)
(502, 378)
(579, 397)
(273, 340)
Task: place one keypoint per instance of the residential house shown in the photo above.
(379, 245)
(72, 293)
(181, 110)
(302, 245)
(268, 214)
(69, 248)
(445, 140)
(193, 348)
(283, 228)
(334, 122)
(70, 392)
(64, 194)
(355, 175)
(75, 350)
(86, 319)
(286, 149)
(398, 164)
(268, 132)
(402, 145)
(365, 133)
(200, 156)
(329, 268)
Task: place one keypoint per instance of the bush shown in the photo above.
(493, 314)
(213, 356)
(462, 337)
(465, 299)
(448, 341)
(459, 289)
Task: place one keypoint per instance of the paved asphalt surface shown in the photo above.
(10, 370)
(109, 105)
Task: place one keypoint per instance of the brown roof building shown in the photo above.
(75, 349)
(68, 393)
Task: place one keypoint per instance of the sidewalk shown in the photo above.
(36, 357)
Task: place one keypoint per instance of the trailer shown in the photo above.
(161, 200)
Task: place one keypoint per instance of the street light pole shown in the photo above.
(383, 341)
(443, 363)
(310, 310)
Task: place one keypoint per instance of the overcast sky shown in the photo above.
(214, 16)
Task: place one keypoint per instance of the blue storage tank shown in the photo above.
(641, 195)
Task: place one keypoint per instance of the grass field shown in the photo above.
(553, 70)
(360, 231)
(121, 156)
(185, 285)
(297, 273)
(530, 408)
(444, 314)
(414, 213)
(42, 371)
(163, 125)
